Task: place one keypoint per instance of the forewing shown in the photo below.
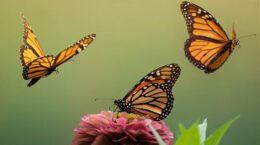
(31, 40)
(202, 23)
(73, 50)
(26, 55)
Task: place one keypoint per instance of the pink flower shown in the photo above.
(126, 129)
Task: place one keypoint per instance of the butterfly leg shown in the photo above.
(114, 111)
(57, 71)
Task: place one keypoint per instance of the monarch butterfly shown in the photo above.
(37, 65)
(152, 96)
(208, 46)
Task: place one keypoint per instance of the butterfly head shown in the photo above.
(123, 105)
(237, 43)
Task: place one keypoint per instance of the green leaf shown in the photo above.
(190, 136)
(155, 133)
(202, 131)
(216, 137)
(182, 128)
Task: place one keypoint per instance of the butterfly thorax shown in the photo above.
(230, 45)
(123, 105)
(236, 43)
(50, 70)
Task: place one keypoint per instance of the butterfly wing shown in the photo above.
(29, 52)
(30, 40)
(31, 49)
(208, 45)
(202, 23)
(27, 55)
(152, 96)
(206, 55)
(38, 68)
(73, 50)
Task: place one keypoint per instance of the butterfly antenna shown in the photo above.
(246, 36)
(72, 60)
(103, 99)
(23, 18)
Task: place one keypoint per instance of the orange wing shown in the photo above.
(27, 55)
(38, 68)
(208, 46)
(31, 48)
(31, 40)
(35, 64)
(29, 52)
(73, 50)
(152, 96)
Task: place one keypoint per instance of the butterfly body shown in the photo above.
(208, 47)
(36, 64)
(152, 96)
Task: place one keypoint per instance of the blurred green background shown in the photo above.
(133, 38)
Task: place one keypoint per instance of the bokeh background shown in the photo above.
(133, 38)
